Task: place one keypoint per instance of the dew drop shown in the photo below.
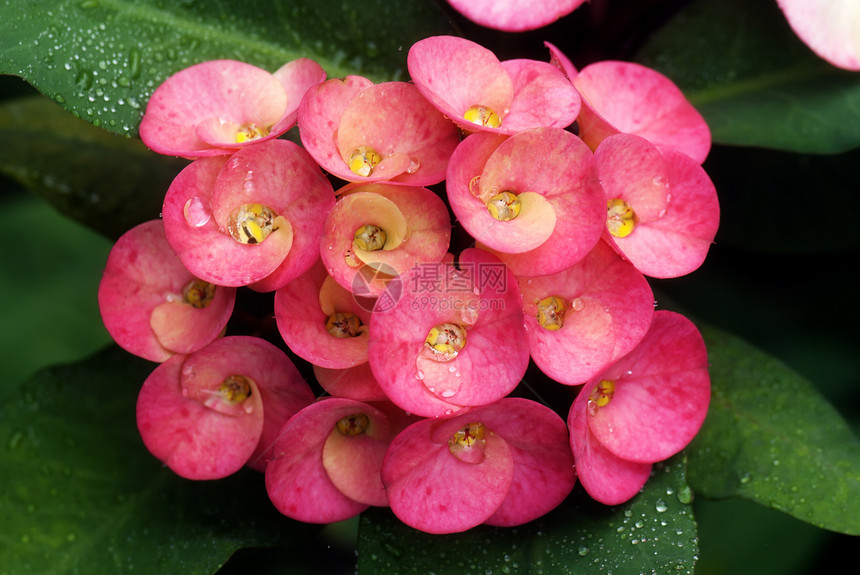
(475, 186)
(583, 550)
(661, 506)
(420, 376)
(414, 164)
(196, 213)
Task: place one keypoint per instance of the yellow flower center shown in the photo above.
(363, 159)
(601, 395)
(621, 219)
(353, 425)
(504, 206)
(199, 293)
(251, 223)
(343, 324)
(445, 341)
(370, 238)
(551, 313)
(482, 116)
(235, 389)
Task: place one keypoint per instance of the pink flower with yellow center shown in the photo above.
(469, 84)
(379, 230)
(501, 464)
(515, 15)
(453, 338)
(217, 107)
(645, 408)
(254, 218)
(151, 305)
(327, 461)
(365, 132)
(662, 209)
(533, 198)
(583, 318)
(623, 97)
(207, 414)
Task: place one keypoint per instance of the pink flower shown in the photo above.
(533, 199)
(327, 461)
(321, 322)
(581, 319)
(645, 408)
(216, 107)
(253, 219)
(515, 15)
(623, 97)
(207, 414)
(828, 27)
(379, 230)
(501, 464)
(469, 84)
(662, 208)
(365, 132)
(151, 305)
(453, 339)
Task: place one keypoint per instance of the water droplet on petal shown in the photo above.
(414, 164)
(196, 213)
(475, 186)
(420, 375)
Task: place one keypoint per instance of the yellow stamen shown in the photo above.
(353, 425)
(235, 389)
(370, 238)
(363, 159)
(621, 219)
(199, 293)
(446, 340)
(482, 116)
(551, 313)
(469, 435)
(251, 132)
(251, 223)
(504, 206)
(343, 324)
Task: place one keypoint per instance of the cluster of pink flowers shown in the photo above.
(573, 187)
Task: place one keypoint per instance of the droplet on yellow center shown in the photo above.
(504, 206)
(446, 340)
(251, 132)
(343, 324)
(551, 313)
(199, 293)
(601, 395)
(621, 219)
(370, 238)
(470, 435)
(363, 159)
(235, 389)
(353, 425)
(482, 116)
(251, 223)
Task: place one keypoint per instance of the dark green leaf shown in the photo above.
(754, 81)
(82, 495)
(653, 533)
(102, 59)
(106, 181)
(772, 438)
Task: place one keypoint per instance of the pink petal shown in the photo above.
(606, 477)
(194, 440)
(396, 120)
(432, 490)
(422, 212)
(828, 27)
(561, 61)
(141, 298)
(297, 77)
(301, 321)
(543, 463)
(662, 391)
(633, 99)
(454, 74)
(674, 199)
(297, 478)
(515, 16)
(609, 306)
(483, 297)
(543, 97)
(355, 382)
(184, 114)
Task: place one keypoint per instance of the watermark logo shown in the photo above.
(377, 287)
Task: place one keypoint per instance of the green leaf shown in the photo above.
(82, 495)
(102, 59)
(105, 181)
(754, 81)
(652, 533)
(772, 438)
